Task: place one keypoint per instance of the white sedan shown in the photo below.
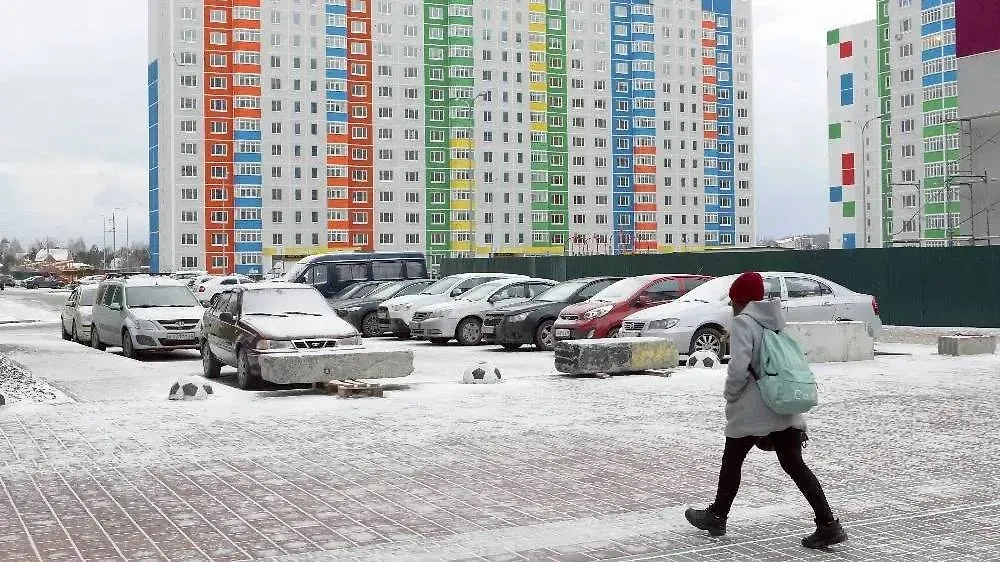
(462, 318)
(701, 318)
(215, 285)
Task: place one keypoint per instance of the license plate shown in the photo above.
(489, 329)
(562, 333)
(182, 335)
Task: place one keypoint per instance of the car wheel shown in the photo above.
(65, 335)
(708, 339)
(128, 348)
(511, 346)
(95, 339)
(544, 336)
(439, 341)
(369, 326)
(469, 331)
(210, 366)
(612, 333)
(245, 380)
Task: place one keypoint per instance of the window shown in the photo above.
(800, 287)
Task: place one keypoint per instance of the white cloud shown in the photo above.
(73, 109)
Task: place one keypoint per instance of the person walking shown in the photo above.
(750, 422)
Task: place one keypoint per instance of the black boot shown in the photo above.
(827, 534)
(705, 520)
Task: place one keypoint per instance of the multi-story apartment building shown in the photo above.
(282, 128)
(893, 109)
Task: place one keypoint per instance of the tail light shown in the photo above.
(875, 306)
(202, 290)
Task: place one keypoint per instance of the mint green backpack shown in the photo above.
(787, 384)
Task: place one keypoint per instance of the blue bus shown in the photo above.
(330, 273)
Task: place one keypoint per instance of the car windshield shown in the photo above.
(161, 295)
(562, 291)
(440, 286)
(285, 301)
(87, 297)
(481, 292)
(621, 290)
(710, 291)
(385, 292)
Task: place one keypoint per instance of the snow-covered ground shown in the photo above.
(22, 305)
(539, 467)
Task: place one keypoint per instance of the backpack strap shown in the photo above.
(753, 374)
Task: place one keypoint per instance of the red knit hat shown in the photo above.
(748, 287)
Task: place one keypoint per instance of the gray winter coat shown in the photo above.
(746, 412)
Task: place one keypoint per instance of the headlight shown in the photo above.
(596, 312)
(273, 344)
(664, 324)
(146, 325)
(435, 314)
(518, 317)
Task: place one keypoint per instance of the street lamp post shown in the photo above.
(864, 177)
(471, 105)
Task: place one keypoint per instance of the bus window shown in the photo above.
(386, 269)
(352, 271)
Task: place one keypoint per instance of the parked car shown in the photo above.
(394, 315)
(215, 285)
(144, 313)
(532, 322)
(357, 290)
(91, 279)
(76, 314)
(330, 273)
(462, 317)
(247, 321)
(187, 275)
(43, 282)
(362, 312)
(6, 281)
(701, 318)
(194, 282)
(602, 315)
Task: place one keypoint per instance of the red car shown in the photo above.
(602, 315)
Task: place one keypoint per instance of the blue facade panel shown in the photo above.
(249, 202)
(849, 241)
(246, 135)
(246, 224)
(152, 93)
(836, 194)
(249, 247)
(247, 180)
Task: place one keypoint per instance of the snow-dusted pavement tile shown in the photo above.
(540, 467)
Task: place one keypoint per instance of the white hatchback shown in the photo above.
(215, 285)
(701, 318)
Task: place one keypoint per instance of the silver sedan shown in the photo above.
(76, 314)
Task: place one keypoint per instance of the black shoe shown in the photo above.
(827, 534)
(706, 521)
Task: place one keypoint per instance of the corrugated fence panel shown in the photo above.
(914, 286)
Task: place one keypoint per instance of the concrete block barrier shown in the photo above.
(614, 355)
(833, 342)
(967, 344)
(342, 364)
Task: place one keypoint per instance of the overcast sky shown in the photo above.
(73, 114)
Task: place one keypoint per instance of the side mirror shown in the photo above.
(227, 317)
(115, 306)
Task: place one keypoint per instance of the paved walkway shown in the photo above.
(538, 468)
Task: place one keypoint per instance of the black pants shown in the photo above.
(788, 446)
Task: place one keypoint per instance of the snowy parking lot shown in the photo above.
(540, 467)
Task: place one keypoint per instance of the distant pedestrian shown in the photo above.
(750, 422)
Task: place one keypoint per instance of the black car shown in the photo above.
(257, 319)
(361, 312)
(356, 291)
(43, 282)
(531, 322)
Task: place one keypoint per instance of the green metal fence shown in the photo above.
(914, 286)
